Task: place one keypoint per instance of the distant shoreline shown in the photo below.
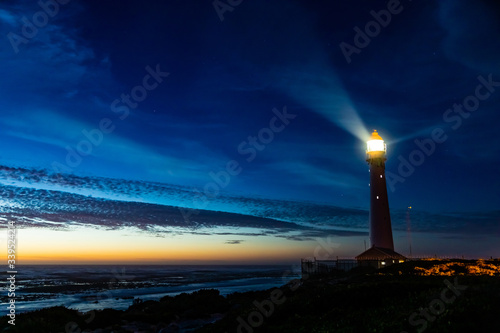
(89, 287)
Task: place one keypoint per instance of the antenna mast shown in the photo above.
(408, 227)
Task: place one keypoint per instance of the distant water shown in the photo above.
(88, 287)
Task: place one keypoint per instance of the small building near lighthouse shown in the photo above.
(379, 257)
(382, 251)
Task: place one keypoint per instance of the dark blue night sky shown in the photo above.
(280, 96)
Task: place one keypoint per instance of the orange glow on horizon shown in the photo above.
(94, 246)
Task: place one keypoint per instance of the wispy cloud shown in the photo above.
(8, 18)
(40, 199)
(306, 172)
(234, 242)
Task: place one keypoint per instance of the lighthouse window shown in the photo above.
(380, 176)
(377, 196)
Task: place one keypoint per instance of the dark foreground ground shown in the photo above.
(417, 296)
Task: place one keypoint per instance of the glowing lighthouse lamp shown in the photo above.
(375, 144)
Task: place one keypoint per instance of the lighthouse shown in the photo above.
(380, 218)
(382, 251)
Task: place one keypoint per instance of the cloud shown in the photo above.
(8, 18)
(466, 223)
(306, 172)
(38, 126)
(60, 56)
(37, 198)
(47, 103)
(235, 241)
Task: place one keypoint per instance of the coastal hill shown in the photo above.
(415, 296)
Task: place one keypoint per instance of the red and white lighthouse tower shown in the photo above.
(380, 218)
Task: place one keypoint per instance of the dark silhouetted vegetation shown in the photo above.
(363, 300)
